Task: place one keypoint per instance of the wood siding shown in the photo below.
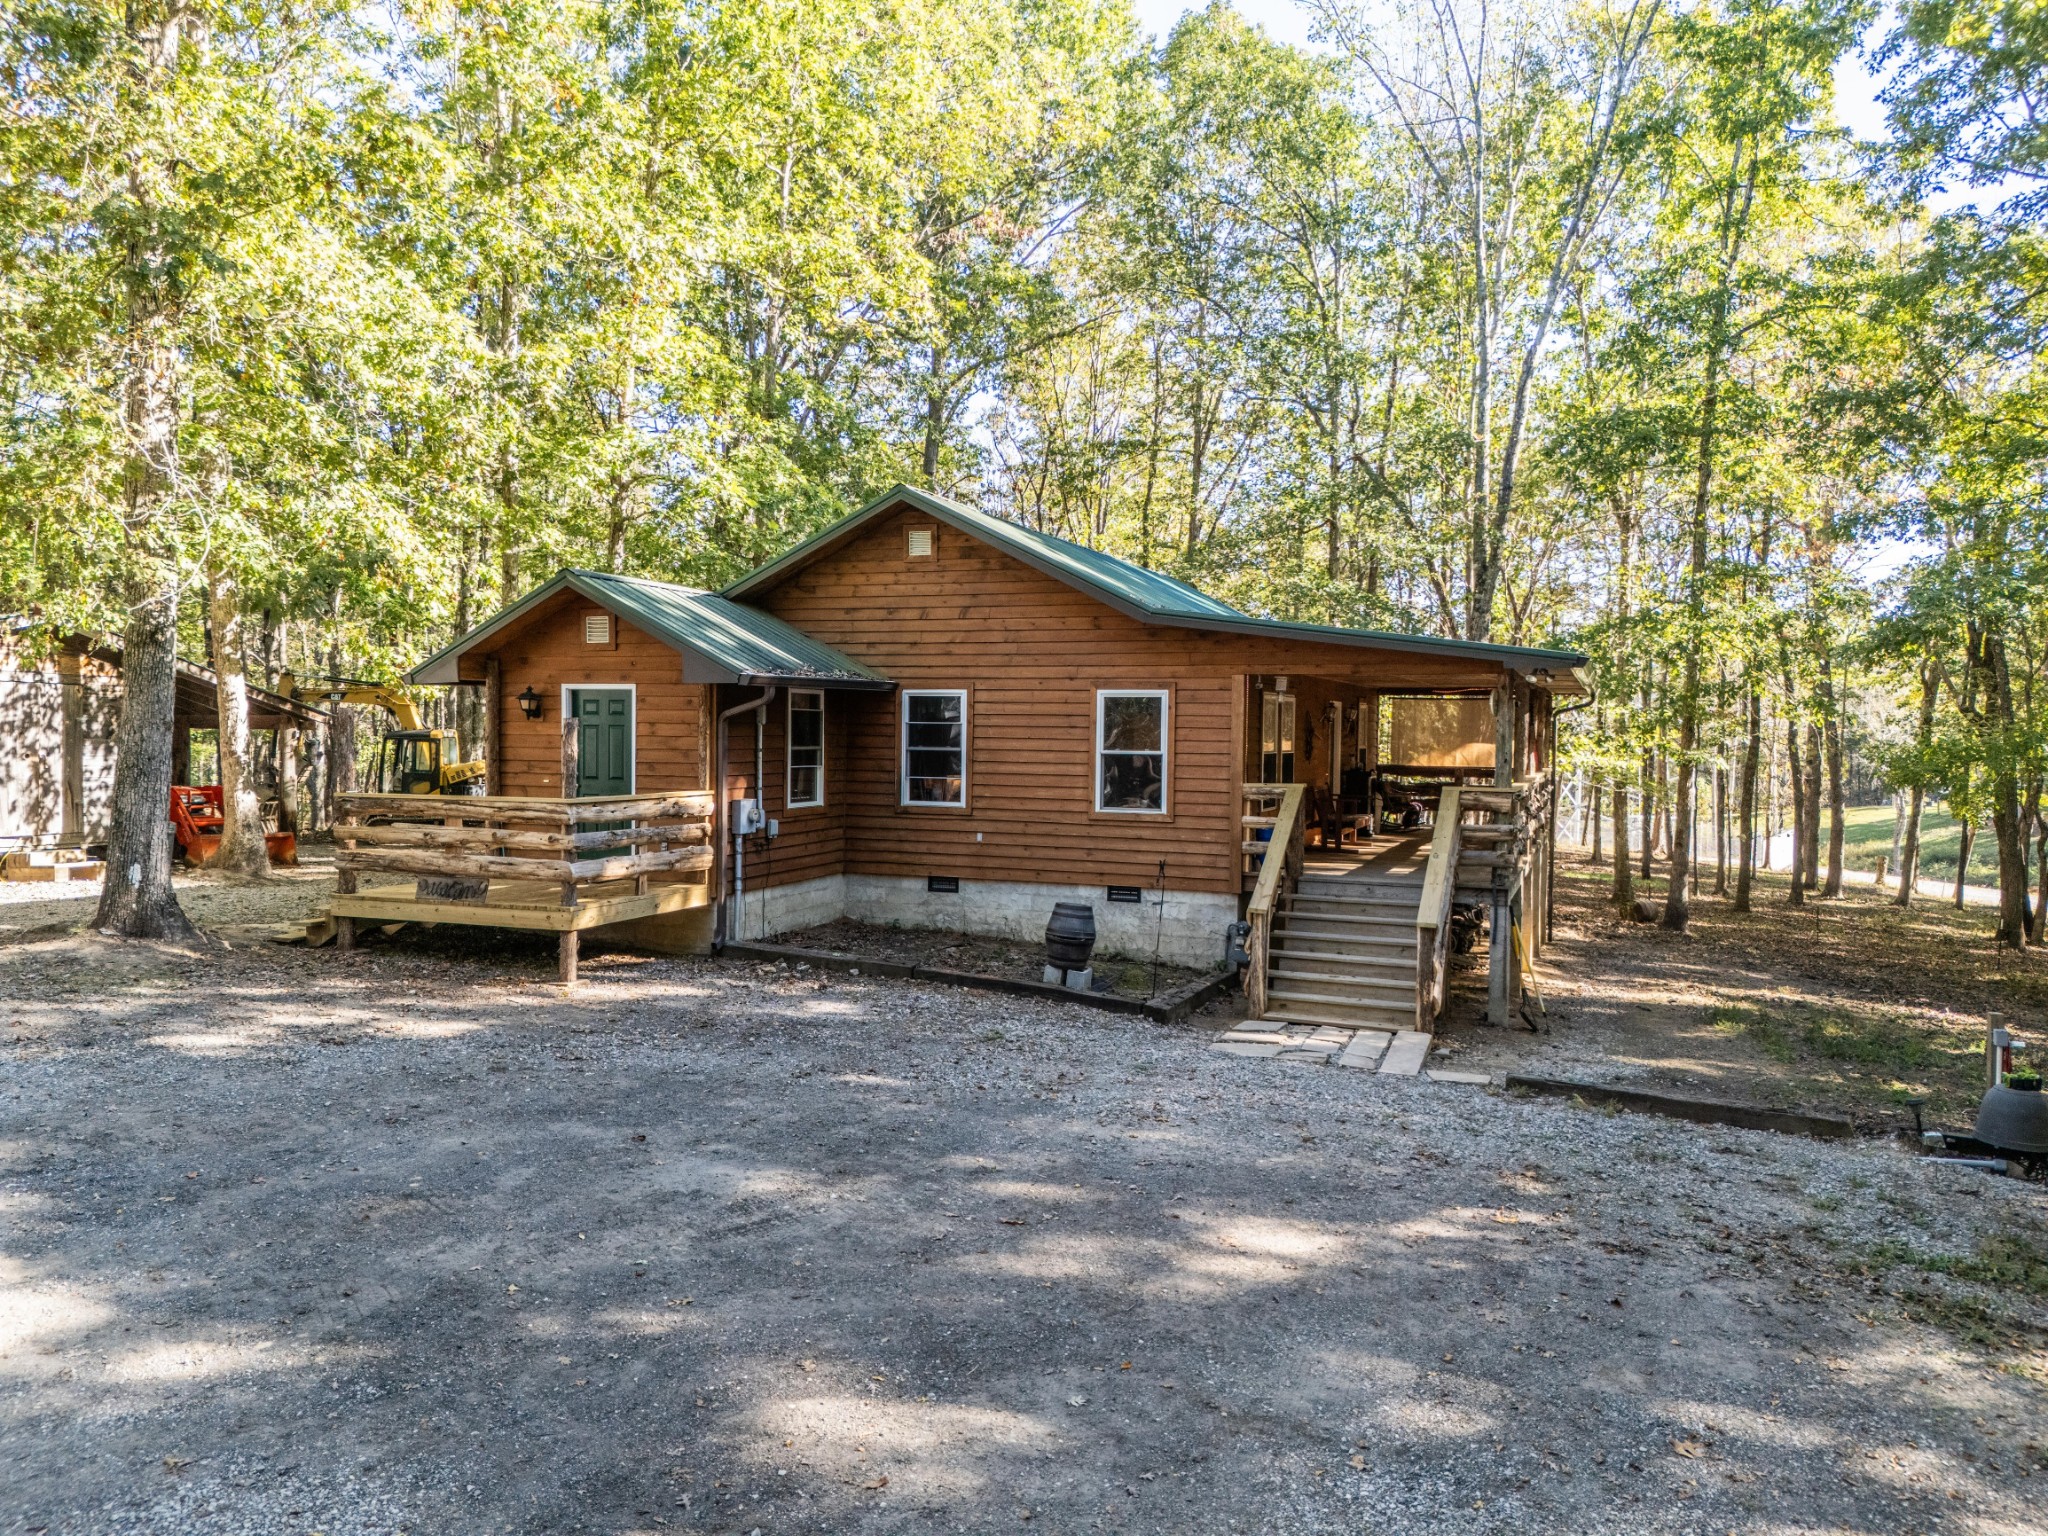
(1031, 651)
(548, 652)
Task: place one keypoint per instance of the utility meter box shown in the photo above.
(745, 817)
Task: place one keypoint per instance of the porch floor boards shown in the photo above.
(1395, 856)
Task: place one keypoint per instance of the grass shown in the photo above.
(2009, 1267)
(1850, 1004)
(1867, 836)
(1864, 1041)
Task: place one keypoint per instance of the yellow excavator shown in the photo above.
(411, 760)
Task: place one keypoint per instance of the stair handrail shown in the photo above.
(1433, 915)
(1278, 877)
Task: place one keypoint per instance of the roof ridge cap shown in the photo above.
(644, 581)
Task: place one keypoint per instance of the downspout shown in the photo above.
(721, 810)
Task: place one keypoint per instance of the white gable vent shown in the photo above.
(920, 543)
(597, 629)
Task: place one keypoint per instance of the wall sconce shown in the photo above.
(529, 703)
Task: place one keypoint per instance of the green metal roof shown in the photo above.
(721, 641)
(1131, 587)
(1147, 595)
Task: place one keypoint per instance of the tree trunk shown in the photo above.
(1623, 892)
(136, 898)
(2039, 931)
(1909, 849)
(287, 778)
(1599, 828)
(1811, 823)
(1746, 815)
(1649, 813)
(241, 834)
(1837, 809)
(1795, 776)
(1720, 831)
(2010, 835)
(1898, 829)
(1968, 841)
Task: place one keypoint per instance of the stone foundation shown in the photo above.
(1191, 933)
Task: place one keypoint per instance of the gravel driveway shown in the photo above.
(409, 1240)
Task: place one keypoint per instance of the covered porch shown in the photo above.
(1383, 829)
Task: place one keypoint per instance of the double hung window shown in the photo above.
(1130, 749)
(934, 746)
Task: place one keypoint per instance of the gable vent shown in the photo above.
(597, 629)
(920, 543)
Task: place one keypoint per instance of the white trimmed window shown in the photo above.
(1130, 750)
(806, 747)
(934, 746)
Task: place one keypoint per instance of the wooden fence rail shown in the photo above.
(458, 848)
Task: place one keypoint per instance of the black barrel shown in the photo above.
(1070, 936)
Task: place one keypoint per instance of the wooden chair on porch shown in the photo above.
(1337, 827)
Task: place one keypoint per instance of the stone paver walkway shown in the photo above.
(1397, 1053)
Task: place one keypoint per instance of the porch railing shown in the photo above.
(1279, 871)
(1433, 915)
(1500, 859)
(465, 842)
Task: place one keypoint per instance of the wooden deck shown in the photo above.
(638, 865)
(530, 904)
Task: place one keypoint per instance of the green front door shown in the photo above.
(604, 740)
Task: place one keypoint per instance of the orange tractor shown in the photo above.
(196, 822)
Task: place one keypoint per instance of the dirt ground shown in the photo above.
(1849, 1005)
(410, 1240)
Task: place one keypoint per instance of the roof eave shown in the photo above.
(1515, 658)
(443, 667)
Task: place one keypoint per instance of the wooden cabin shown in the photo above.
(932, 717)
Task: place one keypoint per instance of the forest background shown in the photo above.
(329, 327)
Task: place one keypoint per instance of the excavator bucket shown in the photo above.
(201, 849)
(283, 847)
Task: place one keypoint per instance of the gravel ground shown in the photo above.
(410, 1240)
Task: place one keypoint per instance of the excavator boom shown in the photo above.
(432, 773)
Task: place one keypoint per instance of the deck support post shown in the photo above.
(1500, 957)
(568, 950)
(344, 934)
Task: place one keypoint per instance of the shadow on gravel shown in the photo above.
(700, 1249)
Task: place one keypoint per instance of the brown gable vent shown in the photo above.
(921, 543)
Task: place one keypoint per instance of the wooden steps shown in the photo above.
(1343, 955)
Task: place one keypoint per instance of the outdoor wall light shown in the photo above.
(529, 703)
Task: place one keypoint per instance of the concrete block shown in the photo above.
(1245, 1048)
(1407, 1054)
(1476, 1079)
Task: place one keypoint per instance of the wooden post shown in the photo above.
(494, 726)
(568, 957)
(1504, 733)
(1500, 960)
(571, 765)
(344, 934)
